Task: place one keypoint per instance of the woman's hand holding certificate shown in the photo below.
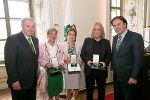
(67, 60)
(49, 65)
(96, 64)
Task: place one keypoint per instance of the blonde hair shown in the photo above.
(102, 30)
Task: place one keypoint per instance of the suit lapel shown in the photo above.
(91, 45)
(25, 42)
(114, 43)
(126, 38)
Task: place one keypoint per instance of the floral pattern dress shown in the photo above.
(51, 84)
(73, 80)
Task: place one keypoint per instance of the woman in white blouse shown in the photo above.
(51, 55)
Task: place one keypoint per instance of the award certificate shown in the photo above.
(74, 66)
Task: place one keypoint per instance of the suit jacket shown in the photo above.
(87, 53)
(128, 61)
(21, 63)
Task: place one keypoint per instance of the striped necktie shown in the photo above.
(31, 45)
(118, 42)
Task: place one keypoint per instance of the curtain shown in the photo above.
(48, 13)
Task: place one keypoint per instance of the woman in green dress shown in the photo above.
(51, 56)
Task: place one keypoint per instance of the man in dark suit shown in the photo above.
(21, 60)
(127, 60)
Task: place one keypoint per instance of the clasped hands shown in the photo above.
(68, 60)
(89, 63)
(49, 65)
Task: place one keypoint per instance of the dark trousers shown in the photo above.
(125, 91)
(90, 84)
(146, 90)
(25, 94)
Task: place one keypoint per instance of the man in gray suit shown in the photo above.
(21, 60)
(127, 60)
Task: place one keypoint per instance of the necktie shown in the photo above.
(118, 42)
(31, 45)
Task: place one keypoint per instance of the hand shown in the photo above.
(62, 65)
(49, 65)
(80, 62)
(103, 64)
(16, 86)
(89, 63)
(67, 60)
(132, 81)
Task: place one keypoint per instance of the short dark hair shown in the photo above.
(121, 18)
(69, 30)
(72, 29)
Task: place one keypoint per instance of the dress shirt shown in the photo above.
(52, 50)
(123, 34)
(31, 42)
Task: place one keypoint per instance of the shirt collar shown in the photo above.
(97, 41)
(28, 37)
(124, 33)
(52, 46)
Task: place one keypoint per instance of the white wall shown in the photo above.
(86, 13)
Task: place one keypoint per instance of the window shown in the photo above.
(11, 13)
(115, 9)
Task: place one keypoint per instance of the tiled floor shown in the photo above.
(5, 94)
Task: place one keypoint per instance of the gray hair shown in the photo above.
(24, 19)
(50, 30)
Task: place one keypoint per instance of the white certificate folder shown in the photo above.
(72, 68)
